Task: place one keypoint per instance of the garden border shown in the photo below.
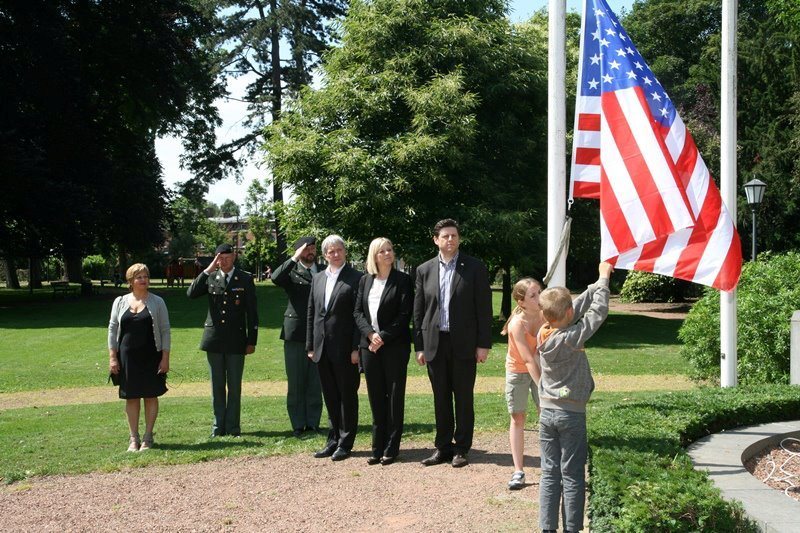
(722, 455)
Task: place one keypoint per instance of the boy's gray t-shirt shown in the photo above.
(566, 381)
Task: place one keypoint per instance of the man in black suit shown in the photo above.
(304, 399)
(452, 333)
(332, 342)
(231, 331)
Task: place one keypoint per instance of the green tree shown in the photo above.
(249, 41)
(229, 208)
(261, 250)
(88, 87)
(430, 109)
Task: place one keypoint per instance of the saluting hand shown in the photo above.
(214, 265)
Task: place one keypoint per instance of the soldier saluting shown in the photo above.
(230, 333)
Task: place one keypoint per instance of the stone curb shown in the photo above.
(723, 455)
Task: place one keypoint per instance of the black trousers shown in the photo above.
(340, 380)
(453, 380)
(386, 372)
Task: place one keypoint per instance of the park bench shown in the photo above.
(60, 287)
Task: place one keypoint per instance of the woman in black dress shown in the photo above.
(383, 312)
(138, 351)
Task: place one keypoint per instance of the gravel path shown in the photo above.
(287, 493)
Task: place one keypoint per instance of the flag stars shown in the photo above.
(631, 51)
(596, 35)
(631, 75)
(603, 42)
(596, 59)
(610, 32)
(639, 66)
(593, 83)
(656, 96)
(599, 13)
(607, 78)
(647, 81)
(622, 37)
(664, 112)
(621, 52)
(614, 64)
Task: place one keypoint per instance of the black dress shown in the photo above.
(138, 357)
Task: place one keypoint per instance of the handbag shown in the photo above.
(113, 379)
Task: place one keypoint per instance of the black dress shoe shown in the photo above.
(297, 432)
(460, 460)
(327, 451)
(437, 458)
(340, 454)
(386, 460)
(374, 460)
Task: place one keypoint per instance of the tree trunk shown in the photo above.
(505, 307)
(35, 273)
(12, 281)
(72, 268)
(275, 54)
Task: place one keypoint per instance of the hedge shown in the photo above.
(641, 478)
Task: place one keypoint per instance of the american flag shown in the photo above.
(660, 211)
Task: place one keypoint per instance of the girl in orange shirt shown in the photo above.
(522, 368)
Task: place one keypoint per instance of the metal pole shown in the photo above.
(556, 135)
(727, 300)
(753, 246)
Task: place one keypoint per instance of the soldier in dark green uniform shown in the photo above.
(304, 399)
(231, 331)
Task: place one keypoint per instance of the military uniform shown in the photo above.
(231, 325)
(304, 398)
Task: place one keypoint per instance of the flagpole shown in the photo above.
(727, 300)
(557, 136)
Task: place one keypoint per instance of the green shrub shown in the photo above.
(648, 287)
(95, 267)
(767, 295)
(642, 479)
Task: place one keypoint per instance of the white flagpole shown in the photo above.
(557, 136)
(727, 300)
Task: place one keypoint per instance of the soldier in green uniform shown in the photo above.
(230, 333)
(304, 399)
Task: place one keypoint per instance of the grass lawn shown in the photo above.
(48, 343)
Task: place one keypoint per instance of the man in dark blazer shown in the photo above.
(452, 333)
(304, 399)
(231, 331)
(332, 341)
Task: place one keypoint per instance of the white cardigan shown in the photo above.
(158, 310)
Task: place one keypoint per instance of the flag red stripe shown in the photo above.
(728, 276)
(706, 222)
(589, 122)
(586, 189)
(650, 253)
(630, 152)
(613, 216)
(587, 156)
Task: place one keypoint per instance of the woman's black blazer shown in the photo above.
(394, 310)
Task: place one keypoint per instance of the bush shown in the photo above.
(648, 287)
(641, 477)
(95, 267)
(767, 295)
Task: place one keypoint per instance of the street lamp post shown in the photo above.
(754, 191)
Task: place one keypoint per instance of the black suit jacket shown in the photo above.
(333, 328)
(394, 309)
(232, 321)
(470, 308)
(295, 279)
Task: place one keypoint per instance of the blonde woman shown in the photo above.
(522, 368)
(383, 313)
(138, 352)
